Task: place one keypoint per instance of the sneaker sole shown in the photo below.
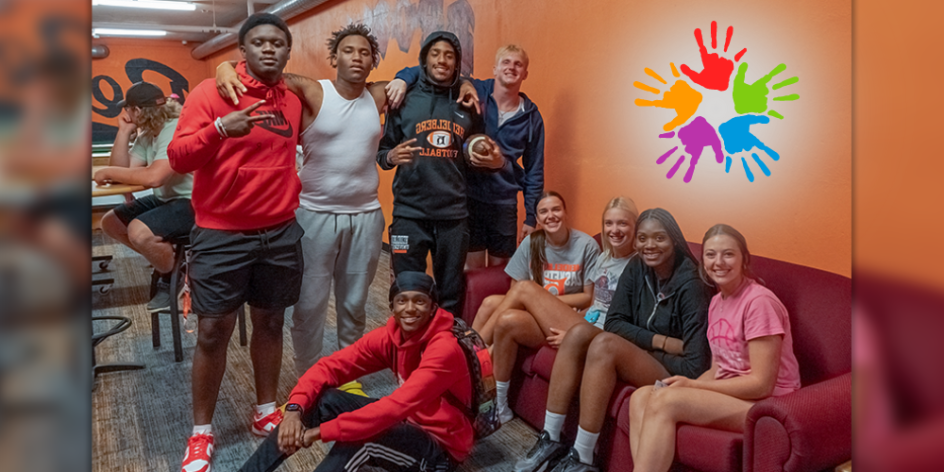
(159, 310)
(540, 468)
(258, 432)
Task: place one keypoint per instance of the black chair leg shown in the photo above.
(174, 310)
(156, 330)
(241, 315)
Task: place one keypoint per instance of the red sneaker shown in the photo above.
(263, 425)
(199, 451)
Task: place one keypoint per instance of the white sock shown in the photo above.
(553, 423)
(265, 410)
(584, 444)
(202, 429)
(501, 394)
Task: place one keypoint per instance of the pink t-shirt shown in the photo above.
(751, 312)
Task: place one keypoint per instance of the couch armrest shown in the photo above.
(480, 283)
(807, 430)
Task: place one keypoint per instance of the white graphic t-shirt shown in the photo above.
(604, 277)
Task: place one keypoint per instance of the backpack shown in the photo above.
(484, 411)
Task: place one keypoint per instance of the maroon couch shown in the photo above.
(805, 431)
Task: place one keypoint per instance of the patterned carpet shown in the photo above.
(141, 419)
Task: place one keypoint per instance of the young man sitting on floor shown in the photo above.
(415, 428)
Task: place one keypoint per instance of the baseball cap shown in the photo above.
(143, 94)
(410, 281)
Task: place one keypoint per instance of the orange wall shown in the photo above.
(172, 54)
(584, 58)
(899, 199)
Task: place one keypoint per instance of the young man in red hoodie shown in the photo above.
(417, 427)
(246, 242)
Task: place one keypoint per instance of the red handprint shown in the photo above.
(717, 70)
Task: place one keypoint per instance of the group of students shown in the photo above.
(702, 338)
(638, 311)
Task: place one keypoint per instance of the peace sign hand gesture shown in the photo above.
(240, 123)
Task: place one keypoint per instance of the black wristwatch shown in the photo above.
(295, 407)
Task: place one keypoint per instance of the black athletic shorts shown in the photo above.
(228, 268)
(170, 220)
(493, 227)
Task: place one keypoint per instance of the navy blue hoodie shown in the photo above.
(433, 186)
(519, 136)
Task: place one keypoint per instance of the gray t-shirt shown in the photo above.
(567, 266)
(604, 277)
(150, 149)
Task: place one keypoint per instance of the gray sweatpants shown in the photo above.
(343, 248)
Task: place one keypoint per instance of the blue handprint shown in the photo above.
(737, 137)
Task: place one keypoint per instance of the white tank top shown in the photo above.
(339, 171)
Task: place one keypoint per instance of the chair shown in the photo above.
(123, 323)
(181, 246)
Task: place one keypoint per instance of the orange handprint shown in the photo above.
(681, 97)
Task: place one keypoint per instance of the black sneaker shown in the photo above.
(162, 299)
(543, 455)
(572, 464)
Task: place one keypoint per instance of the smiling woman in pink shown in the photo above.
(751, 358)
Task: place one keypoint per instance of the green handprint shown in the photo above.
(752, 98)
(680, 97)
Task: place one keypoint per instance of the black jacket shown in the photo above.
(433, 186)
(637, 313)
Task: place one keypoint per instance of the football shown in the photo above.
(478, 144)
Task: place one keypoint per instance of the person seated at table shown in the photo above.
(556, 257)
(751, 358)
(544, 318)
(148, 224)
(655, 327)
(421, 426)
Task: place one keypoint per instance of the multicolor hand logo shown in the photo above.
(752, 98)
(716, 72)
(750, 102)
(737, 136)
(696, 136)
(681, 97)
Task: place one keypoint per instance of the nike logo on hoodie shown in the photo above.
(277, 124)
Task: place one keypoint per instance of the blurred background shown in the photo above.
(44, 235)
(898, 209)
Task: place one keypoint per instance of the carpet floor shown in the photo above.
(141, 419)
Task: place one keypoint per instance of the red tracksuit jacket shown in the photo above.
(427, 365)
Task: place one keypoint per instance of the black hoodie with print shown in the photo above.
(433, 186)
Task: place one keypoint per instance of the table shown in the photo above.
(114, 188)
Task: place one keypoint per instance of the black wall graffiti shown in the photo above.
(107, 92)
(402, 19)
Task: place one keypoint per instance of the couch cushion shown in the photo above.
(480, 283)
(543, 362)
(709, 450)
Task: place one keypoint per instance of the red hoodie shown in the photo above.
(427, 366)
(240, 183)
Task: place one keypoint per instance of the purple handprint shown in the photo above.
(737, 136)
(696, 136)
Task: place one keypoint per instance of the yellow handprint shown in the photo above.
(681, 97)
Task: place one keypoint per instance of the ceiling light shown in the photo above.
(155, 4)
(127, 32)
